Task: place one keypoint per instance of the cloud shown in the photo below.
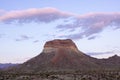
(36, 41)
(100, 53)
(34, 15)
(90, 24)
(106, 54)
(92, 37)
(23, 37)
(2, 11)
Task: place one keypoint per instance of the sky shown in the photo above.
(25, 26)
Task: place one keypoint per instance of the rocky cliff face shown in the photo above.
(55, 45)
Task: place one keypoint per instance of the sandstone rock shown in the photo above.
(57, 44)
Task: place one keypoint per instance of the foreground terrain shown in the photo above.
(77, 75)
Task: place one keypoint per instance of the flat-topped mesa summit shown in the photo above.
(58, 44)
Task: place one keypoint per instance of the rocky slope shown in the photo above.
(63, 55)
(111, 63)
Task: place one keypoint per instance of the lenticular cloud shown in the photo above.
(33, 15)
(89, 24)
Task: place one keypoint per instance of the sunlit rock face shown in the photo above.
(65, 53)
(56, 45)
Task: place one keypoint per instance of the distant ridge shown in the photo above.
(6, 65)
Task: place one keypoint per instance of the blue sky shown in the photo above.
(26, 25)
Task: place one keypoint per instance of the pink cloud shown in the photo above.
(2, 11)
(36, 15)
(91, 24)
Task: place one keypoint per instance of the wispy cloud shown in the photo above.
(100, 53)
(106, 54)
(91, 24)
(34, 15)
(36, 41)
(2, 11)
(23, 37)
(92, 37)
